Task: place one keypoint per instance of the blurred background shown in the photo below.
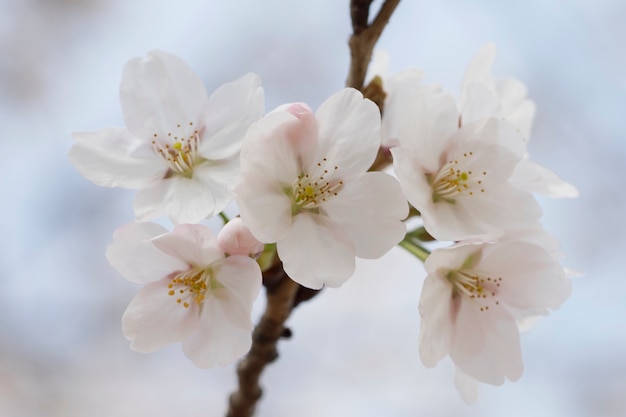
(354, 350)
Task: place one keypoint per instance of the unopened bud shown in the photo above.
(235, 239)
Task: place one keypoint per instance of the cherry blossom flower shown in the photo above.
(472, 299)
(459, 177)
(191, 292)
(304, 186)
(180, 148)
(482, 96)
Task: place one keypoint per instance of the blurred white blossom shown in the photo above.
(180, 148)
(458, 177)
(474, 296)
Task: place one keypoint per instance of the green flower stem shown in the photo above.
(224, 217)
(415, 248)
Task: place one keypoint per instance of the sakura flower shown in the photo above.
(459, 177)
(483, 97)
(472, 298)
(180, 148)
(304, 186)
(192, 293)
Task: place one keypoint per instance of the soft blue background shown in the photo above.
(355, 349)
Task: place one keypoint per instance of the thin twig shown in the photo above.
(364, 37)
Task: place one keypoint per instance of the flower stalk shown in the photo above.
(409, 243)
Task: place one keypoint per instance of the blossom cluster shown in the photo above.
(303, 181)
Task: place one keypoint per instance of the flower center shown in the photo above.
(475, 286)
(179, 151)
(311, 190)
(191, 286)
(452, 181)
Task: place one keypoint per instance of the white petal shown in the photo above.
(426, 125)
(501, 209)
(194, 244)
(184, 200)
(317, 252)
(349, 132)
(370, 208)
(242, 278)
(231, 110)
(479, 71)
(494, 132)
(481, 103)
(400, 89)
(115, 158)
(466, 386)
(379, 65)
(214, 340)
(159, 92)
(486, 344)
(273, 147)
(437, 313)
(516, 107)
(533, 177)
(531, 278)
(136, 258)
(264, 208)
(154, 319)
(413, 182)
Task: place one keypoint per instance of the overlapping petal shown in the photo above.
(317, 252)
(473, 297)
(158, 92)
(115, 158)
(370, 205)
(136, 258)
(194, 294)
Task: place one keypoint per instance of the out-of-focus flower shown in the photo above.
(305, 186)
(180, 148)
(396, 86)
(236, 239)
(459, 177)
(471, 302)
(482, 96)
(192, 293)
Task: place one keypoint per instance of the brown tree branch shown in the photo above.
(364, 37)
(282, 293)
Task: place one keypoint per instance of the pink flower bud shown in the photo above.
(235, 239)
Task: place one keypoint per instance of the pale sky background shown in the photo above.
(354, 351)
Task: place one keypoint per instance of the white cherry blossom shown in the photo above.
(191, 292)
(459, 177)
(482, 96)
(304, 186)
(471, 302)
(180, 147)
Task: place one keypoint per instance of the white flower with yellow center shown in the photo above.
(473, 297)
(459, 177)
(482, 96)
(180, 148)
(192, 292)
(305, 186)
